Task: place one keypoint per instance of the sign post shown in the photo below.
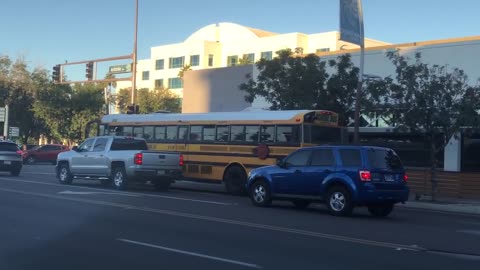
(351, 30)
(120, 69)
(13, 132)
(4, 119)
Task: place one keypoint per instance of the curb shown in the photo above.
(451, 208)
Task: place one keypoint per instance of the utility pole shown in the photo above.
(5, 124)
(134, 55)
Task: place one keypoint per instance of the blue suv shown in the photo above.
(342, 176)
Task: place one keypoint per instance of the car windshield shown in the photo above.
(384, 159)
(8, 147)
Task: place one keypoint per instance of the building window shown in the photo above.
(145, 75)
(266, 55)
(210, 60)
(159, 83)
(249, 58)
(176, 62)
(175, 83)
(159, 64)
(194, 60)
(323, 50)
(232, 60)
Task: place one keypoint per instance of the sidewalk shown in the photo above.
(452, 205)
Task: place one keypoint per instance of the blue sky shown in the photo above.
(47, 32)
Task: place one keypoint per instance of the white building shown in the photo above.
(223, 45)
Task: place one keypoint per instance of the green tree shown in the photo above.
(244, 61)
(18, 88)
(429, 99)
(183, 70)
(288, 82)
(150, 101)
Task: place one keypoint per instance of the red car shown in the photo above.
(43, 153)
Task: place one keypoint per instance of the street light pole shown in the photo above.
(134, 55)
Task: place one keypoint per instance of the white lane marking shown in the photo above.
(95, 192)
(190, 253)
(474, 232)
(132, 193)
(225, 221)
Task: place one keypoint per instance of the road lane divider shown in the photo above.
(226, 221)
(184, 252)
(15, 180)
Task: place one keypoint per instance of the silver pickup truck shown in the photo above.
(119, 160)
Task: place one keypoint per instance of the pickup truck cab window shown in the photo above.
(86, 146)
(100, 145)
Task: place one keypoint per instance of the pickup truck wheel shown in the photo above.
(260, 194)
(64, 175)
(119, 178)
(162, 184)
(339, 201)
(380, 210)
(300, 203)
(235, 179)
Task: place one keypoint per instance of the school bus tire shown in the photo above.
(235, 179)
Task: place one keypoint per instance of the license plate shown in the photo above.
(389, 178)
(162, 172)
(7, 162)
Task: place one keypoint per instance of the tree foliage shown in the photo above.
(288, 82)
(150, 100)
(429, 99)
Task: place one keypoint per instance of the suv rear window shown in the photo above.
(128, 144)
(384, 159)
(8, 147)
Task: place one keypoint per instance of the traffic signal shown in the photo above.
(56, 74)
(132, 109)
(89, 71)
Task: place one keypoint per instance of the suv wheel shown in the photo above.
(339, 201)
(380, 210)
(64, 175)
(119, 178)
(260, 194)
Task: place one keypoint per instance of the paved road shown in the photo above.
(45, 225)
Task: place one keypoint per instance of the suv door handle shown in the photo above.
(327, 171)
(297, 171)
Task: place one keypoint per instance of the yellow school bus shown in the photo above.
(223, 147)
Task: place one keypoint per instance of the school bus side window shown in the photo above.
(127, 131)
(160, 133)
(252, 133)
(195, 133)
(148, 132)
(237, 133)
(208, 133)
(267, 134)
(171, 133)
(138, 132)
(222, 134)
(183, 133)
(288, 134)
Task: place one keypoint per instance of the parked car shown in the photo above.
(10, 158)
(44, 153)
(118, 161)
(341, 176)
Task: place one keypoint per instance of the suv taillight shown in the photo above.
(20, 152)
(138, 159)
(180, 161)
(365, 176)
(405, 177)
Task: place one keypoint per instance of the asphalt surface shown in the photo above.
(46, 225)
